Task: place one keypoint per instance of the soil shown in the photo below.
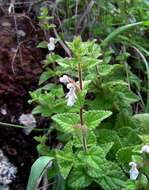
(20, 69)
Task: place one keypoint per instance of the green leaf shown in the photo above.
(137, 159)
(106, 147)
(51, 26)
(66, 121)
(78, 178)
(65, 159)
(36, 170)
(107, 136)
(102, 101)
(107, 69)
(43, 149)
(46, 75)
(142, 122)
(94, 159)
(144, 138)
(124, 156)
(44, 11)
(51, 173)
(112, 178)
(119, 30)
(90, 139)
(37, 110)
(42, 45)
(81, 98)
(129, 185)
(93, 118)
(124, 94)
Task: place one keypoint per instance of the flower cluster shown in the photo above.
(7, 170)
(71, 96)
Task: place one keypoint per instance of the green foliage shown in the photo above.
(94, 160)
(93, 118)
(142, 122)
(78, 178)
(123, 156)
(36, 170)
(108, 136)
(95, 123)
(129, 185)
(66, 121)
(90, 139)
(112, 178)
(65, 160)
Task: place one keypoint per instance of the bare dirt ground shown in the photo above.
(20, 68)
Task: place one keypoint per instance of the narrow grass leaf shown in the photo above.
(36, 170)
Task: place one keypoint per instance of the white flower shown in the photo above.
(145, 148)
(64, 79)
(133, 171)
(27, 120)
(71, 95)
(51, 45)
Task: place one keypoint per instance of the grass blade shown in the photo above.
(36, 170)
(120, 30)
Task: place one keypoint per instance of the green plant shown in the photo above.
(92, 150)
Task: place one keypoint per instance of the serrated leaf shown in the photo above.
(112, 178)
(65, 159)
(94, 159)
(103, 101)
(125, 94)
(106, 147)
(66, 121)
(142, 122)
(124, 156)
(129, 185)
(68, 147)
(137, 158)
(93, 118)
(45, 76)
(37, 110)
(106, 136)
(81, 98)
(90, 139)
(43, 149)
(107, 69)
(36, 170)
(78, 178)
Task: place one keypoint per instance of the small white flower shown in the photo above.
(64, 79)
(71, 95)
(133, 171)
(51, 45)
(145, 148)
(27, 120)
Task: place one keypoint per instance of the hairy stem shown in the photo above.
(81, 110)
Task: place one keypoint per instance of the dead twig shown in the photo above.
(89, 7)
(65, 47)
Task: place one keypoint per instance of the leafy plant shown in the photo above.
(94, 120)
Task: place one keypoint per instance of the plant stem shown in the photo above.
(98, 75)
(81, 111)
(80, 76)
